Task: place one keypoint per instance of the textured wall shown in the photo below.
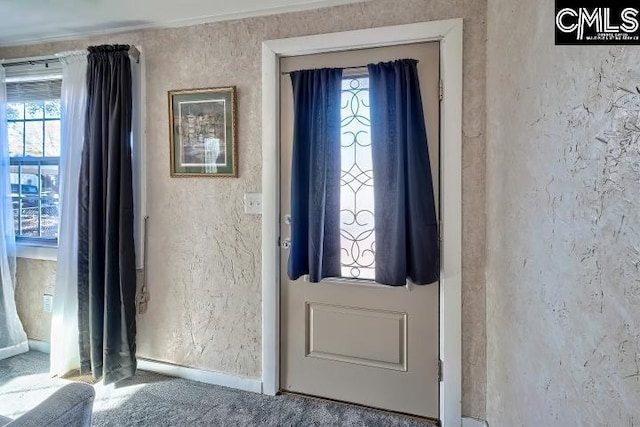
(204, 253)
(563, 186)
(34, 278)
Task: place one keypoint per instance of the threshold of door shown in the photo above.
(431, 421)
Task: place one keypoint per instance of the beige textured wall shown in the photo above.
(563, 284)
(204, 254)
(34, 278)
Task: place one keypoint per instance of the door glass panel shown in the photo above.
(356, 182)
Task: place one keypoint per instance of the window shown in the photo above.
(33, 122)
(356, 182)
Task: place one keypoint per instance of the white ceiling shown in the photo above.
(32, 21)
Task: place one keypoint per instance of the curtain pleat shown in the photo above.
(106, 254)
(65, 355)
(13, 339)
(315, 179)
(405, 215)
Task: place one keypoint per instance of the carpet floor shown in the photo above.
(150, 399)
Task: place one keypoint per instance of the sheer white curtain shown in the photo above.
(13, 339)
(65, 353)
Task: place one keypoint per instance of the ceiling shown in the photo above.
(32, 21)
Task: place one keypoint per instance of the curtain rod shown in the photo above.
(353, 67)
(29, 60)
(47, 59)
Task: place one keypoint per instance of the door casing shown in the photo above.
(449, 34)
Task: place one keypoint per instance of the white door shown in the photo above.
(351, 339)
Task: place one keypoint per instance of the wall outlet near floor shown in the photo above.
(253, 203)
(47, 303)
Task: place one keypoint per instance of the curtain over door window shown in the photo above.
(404, 201)
(388, 230)
(315, 186)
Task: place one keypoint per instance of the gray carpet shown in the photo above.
(150, 399)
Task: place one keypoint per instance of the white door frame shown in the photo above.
(449, 34)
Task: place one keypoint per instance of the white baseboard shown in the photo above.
(473, 422)
(209, 377)
(41, 346)
(14, 350)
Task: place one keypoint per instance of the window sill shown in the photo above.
(35, 251)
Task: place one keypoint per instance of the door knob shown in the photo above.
(286, 243)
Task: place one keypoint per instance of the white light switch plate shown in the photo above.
(47, 303)
(253, 203)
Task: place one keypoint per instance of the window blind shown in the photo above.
(34, 81)
(30, 91)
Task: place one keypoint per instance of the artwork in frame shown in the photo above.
(203, 132)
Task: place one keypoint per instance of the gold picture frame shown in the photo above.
(202, 132)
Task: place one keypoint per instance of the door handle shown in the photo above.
(285, 243)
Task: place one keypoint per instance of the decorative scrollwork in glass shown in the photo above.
(356, 192)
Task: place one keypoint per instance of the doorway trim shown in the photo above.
(449, 34)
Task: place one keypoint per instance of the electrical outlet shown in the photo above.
(47, 303)
(253, 203)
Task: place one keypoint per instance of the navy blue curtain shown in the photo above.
(106, 254)
(405, 216)
(315, 179)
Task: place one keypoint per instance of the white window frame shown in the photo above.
(449, 34)
(33, 250)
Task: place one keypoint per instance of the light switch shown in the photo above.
(47, 303)
(253, 203)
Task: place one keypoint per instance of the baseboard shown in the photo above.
(41, 346)
(473, 422)
(209, 377)
(14, 350)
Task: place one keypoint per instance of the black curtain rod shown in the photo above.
(46, 62)
(344, 68)
(133, 52)
(354, 67)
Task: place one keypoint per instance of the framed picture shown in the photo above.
(202, 126)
